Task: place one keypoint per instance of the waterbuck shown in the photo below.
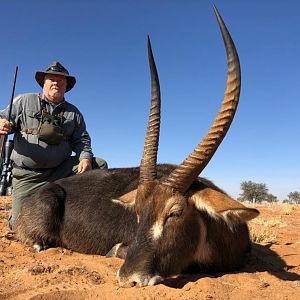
(163, 219)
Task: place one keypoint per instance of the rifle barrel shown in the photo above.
(13, 93)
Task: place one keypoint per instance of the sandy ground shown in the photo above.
(272, 271)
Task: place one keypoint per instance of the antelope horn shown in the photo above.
(183, 176)
(148, 163)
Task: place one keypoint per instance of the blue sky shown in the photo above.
(103, 44)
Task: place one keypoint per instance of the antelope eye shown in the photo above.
(176, 214)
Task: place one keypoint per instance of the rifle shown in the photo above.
(6, 147)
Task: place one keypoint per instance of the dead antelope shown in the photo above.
(163, 219)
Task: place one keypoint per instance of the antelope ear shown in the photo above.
(218, 203)
(127, 200)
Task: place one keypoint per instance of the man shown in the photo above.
(47, 130)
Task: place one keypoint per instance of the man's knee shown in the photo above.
(17, 203)
(99, 163)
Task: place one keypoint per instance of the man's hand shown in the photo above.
(5, 126)
(84, 165)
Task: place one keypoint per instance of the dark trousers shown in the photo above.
(25, 182)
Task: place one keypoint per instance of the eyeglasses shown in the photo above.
(58, 69)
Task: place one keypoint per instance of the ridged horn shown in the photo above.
(148, 163)
(183, 176)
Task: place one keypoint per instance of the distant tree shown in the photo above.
(271, 198)
(294, 197)
(254, 192)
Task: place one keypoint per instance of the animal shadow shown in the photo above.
(261, 259)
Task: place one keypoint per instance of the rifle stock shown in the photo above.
(6, 166)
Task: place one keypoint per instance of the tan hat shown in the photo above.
(58, 69)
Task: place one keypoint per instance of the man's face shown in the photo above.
(55, 87)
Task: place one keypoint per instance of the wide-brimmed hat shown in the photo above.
(58, 69)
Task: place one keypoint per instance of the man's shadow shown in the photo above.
(261, 259)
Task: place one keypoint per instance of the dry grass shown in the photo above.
(288, 209)
(261, 229)
(262, 235)
(270, 222)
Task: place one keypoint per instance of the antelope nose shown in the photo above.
(138, 279)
